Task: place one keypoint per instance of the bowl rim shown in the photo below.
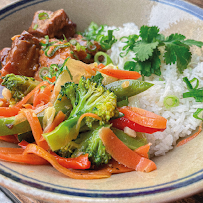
(76, 193)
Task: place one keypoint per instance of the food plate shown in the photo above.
(179, 173)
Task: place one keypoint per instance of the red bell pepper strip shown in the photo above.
(120, 74)
(122, 154)
(144, 117)
(123, 122)
(9, 138)
(16, 155)
(81, 162)
(80, 174)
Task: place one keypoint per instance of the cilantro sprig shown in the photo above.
(147, 55)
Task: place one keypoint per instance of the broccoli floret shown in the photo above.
(90, 143)
(19, 85)
(86, 97)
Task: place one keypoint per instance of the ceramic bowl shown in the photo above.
(179, 173)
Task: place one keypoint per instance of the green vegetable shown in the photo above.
(105, 58)
(135, 87)
(147, 61)
(171, 101)
(97, 33)
(8, 128)
(43, 72)
(27, 136)
(55, 70)
(86, 97)
(91, 143)
(46, 46)
(131, 142)
(43, 16)
(19, 85)
(195, 92)
(35, 27)
(198, 113)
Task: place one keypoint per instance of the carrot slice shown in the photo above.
(144, 117)
(122, 154)
(144, 150)
(9, 138)
(182, 142)
(35, 127)
(42, 95)
(9, 111)
(16, 155)
(32, 148)
(29, 95)
(120, 74)
(115, 168)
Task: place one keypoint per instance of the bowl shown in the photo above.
(179, 173)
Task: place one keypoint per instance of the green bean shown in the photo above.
(128, 88)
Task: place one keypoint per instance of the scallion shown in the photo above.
(43, 72)
(101, 57)
(198, 113)
(171, 101)
(43, 16)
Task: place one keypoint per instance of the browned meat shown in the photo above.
(23, 58)
(3, 55)
(53, 24)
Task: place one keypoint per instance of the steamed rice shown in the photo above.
(180, 119)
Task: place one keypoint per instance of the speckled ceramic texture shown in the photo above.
(179, 173)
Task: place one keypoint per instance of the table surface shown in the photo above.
(198, 198)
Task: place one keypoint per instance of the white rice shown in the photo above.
(180, 119)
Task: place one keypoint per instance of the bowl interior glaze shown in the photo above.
(180, 171)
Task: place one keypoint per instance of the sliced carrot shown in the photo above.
(144, 117)
(182, 142)
(16, 155)
(76, 174)
(60, 117)
(114, 167)
(4, 102)
(120, 74)
(144, 150)
(9, 138)
(9, 111)
(35, 127)
(122, 154)
(43, 96)
(101, 65)
(29, 95)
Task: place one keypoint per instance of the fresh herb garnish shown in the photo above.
(35, 27)
(55, 70)
(195, 92)
(43, 16)
(47, 45)
(97, 33)
(147, 54)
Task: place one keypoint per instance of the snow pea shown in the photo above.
(132, 143)
(128, 88)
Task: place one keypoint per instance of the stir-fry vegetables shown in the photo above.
(75, 114)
